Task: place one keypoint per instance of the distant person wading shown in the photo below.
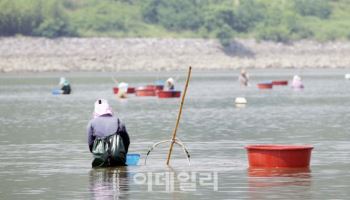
(297, 82)
(65, 86)
(108, 139)
(123, 90)
(243, 78)
(169, 84)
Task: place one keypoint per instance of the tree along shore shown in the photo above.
(27, 54)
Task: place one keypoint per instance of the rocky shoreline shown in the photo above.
(25, 54)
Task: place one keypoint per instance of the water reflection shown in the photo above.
(279, 177)
(264, 182)
(109, 183)
(238, 105)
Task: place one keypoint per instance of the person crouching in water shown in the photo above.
(65, 86)
(169, 84)
(108, 139)
(297, 82)
(243, 78)
(122, 90)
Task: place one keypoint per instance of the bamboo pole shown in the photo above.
(179, 116)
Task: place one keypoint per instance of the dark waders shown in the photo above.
(109, 152)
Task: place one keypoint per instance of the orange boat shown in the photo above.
(148, 90)
(280, 82)
(169, 94)
(265, 85)
(131, 90)
(145, 91)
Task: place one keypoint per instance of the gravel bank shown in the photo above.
(19, 54)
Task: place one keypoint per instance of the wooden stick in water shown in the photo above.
(179, 116)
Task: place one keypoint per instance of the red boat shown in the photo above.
(145, 91)
(131, 90)
(265, 85)
(169, 94)
(280, 82)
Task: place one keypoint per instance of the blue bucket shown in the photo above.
(56, 91)
(132, 159)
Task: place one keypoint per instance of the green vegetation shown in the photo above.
(277, 20)
(34, 17)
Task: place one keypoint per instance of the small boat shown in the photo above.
(148, 90)
(265, 85)
(131, 90)
(280, 82)
(168, 94)
(145, 91)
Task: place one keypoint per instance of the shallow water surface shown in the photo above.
(44, 155)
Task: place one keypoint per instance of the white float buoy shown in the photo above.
(347, 76)
(240, 100)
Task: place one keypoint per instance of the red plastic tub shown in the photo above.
(115, 90)
(280, 82)
(169, 94)
(154, 87)
(131, 90)
(279, 156)
(144, 91)
(265, 85)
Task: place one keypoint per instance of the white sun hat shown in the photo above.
(170, 80)
(102, 107)
(62, 80)
(123, 87)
